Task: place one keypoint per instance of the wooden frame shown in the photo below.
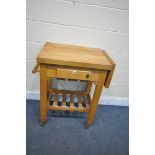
(91, 105)
(99, 73)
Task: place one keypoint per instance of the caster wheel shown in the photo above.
(42, 124)
(87, 126)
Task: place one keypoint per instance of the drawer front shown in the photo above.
(77, 74)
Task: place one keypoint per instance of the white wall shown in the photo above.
(94, 23)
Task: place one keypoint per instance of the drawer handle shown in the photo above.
(87, 75)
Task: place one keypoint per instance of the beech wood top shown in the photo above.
(74, 56)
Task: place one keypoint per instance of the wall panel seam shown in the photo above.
(111, 83)
(96, 5)
(119, 84)
(73, 26)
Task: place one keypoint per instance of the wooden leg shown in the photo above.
(43, 94)
(88, 87)
(95, 99)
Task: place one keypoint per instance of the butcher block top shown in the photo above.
(75, 56)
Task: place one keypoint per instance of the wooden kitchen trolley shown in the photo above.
(69, 62)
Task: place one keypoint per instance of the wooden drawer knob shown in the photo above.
(87, 75)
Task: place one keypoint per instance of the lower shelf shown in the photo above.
(68, 100)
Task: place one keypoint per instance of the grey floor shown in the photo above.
(64, 133)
